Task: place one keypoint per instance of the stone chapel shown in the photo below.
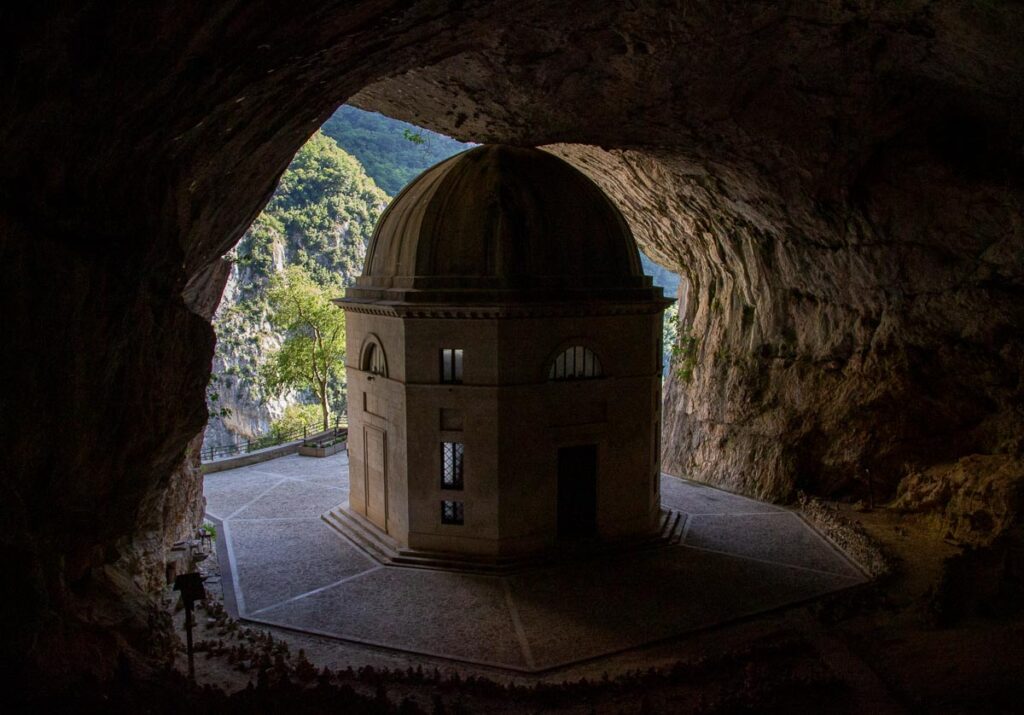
(504, 365)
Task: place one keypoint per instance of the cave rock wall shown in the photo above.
(839, 182)
(833, 349)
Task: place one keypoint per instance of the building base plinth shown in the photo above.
(385, 550)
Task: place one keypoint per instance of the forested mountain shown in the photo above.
(391, 151)
(322, 215)
(321, 218)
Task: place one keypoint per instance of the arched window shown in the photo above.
(575, 363)
(373, 360)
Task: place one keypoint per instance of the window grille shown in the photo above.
(451, 465)
(576, 363)
(452, 512)
(373, 362)
(451, 365)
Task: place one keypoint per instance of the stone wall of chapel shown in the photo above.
(378, 402)
(511, 420)
(614, 412)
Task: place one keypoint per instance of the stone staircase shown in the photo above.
(385, 550)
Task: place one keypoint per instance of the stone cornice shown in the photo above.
(490, 312)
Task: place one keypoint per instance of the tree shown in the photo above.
(294, 420)
(312, 354)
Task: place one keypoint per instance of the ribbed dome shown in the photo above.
(501, 218)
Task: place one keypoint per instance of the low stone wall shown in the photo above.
(312, 451)
(244, 460)
(259, 455)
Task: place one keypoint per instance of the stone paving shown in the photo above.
(285, 567)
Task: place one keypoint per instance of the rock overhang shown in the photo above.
(847, 248)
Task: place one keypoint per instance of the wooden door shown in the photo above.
(376, 465)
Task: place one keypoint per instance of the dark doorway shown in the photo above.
(577, 491)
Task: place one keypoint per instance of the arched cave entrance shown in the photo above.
(843, 188)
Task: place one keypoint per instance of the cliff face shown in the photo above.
(239, 409)
(841, 184)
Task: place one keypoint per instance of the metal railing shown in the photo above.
(208, 454)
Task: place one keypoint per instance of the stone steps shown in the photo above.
(672, 526)
(385, 550)
(363, 534)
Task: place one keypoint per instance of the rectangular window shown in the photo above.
(452, 512)
(451, 465)
(451, 366)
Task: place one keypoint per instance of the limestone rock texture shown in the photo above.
(973, 501)
(841, 184)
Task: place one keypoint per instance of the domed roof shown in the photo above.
(500, 218)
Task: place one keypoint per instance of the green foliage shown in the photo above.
(294, 419)
(684, 355)
(414, 137)
(209, 529)
(670, 331)
(392, 152)
(321, 218)
(312, 354)
(255, 252)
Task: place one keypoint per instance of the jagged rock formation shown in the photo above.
(241, 410)
(841, 184)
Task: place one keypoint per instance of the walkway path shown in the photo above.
(287, 568)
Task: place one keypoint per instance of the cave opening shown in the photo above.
(318, 221)
(853, 281)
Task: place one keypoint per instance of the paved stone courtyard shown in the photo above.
(285, 567)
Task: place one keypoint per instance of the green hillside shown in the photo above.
(391, 151)
(320, 217)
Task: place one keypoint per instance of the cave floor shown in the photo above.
(283, 566)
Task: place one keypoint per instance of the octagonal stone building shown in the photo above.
(504, 366)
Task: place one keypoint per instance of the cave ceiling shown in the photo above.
(804, 93)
